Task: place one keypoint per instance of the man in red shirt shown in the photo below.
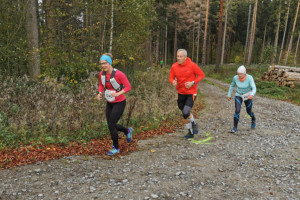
(185, 75)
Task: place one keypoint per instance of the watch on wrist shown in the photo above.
(193, 82)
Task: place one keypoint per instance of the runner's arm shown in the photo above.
(231, 87)
(199, 73)
(101, 86)
(253, 86)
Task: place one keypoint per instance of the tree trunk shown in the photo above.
(51, 29)
(263, 45)
(112, 26)
(198, 37)
(224, 33)
(33, 39)
(150, 49)
(252, 34)
(205, 34)
(277, 33)
(157, 47)
(247, 37)
(193, 44)
(219, 45)
(103, 31)
(175, 42)
(291, 40)
(285, 27)
(166, 41)
(295, 57)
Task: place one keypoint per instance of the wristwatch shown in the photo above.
(193, 82)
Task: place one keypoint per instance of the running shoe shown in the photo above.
(129, 135)
(253, 124)
(113, 151)
(234, 130)
(189, 135)
(195, 128)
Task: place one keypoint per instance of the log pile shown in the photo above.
(283, 75)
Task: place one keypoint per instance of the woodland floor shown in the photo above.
(260, 163)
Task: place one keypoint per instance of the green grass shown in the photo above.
(267, 89)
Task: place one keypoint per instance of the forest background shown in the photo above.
(50, 49)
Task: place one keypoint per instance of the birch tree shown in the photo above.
(112, 26)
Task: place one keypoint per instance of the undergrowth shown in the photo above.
(52, 111)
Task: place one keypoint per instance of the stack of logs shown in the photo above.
(283, 75)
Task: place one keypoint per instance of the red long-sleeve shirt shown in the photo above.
(121, 79)
(186, 72)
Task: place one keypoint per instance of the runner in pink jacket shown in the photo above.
(114, 84)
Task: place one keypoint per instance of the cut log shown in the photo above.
(286, 68)
(293, 76)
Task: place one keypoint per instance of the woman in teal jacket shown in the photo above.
(245, 91)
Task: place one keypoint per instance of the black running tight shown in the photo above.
(114, 112)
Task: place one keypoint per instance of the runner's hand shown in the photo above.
(174, 83)
(99, 96)
(115, 94)
(250, 97)
(188, 84)
(228, 98)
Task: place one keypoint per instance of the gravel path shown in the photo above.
(260, 163)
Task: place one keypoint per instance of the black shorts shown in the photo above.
(185, 100)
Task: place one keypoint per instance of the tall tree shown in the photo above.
(252, 34)
(284, 33)
(296, 52)
(219, 45)
(205, 34)
(111, 27)
(263, 44)
(291, 39)
(198, 35)
(51, 29)
(33, 39)
(227, 3)
(175, 39)
(277, 33)
(247, 36)
(166, 41)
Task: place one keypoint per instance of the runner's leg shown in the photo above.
(115, 114)
(249, 104)
(238, 104)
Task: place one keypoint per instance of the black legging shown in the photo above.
(238, 104)
(114, 112)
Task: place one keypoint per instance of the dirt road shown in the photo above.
(260, 163)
